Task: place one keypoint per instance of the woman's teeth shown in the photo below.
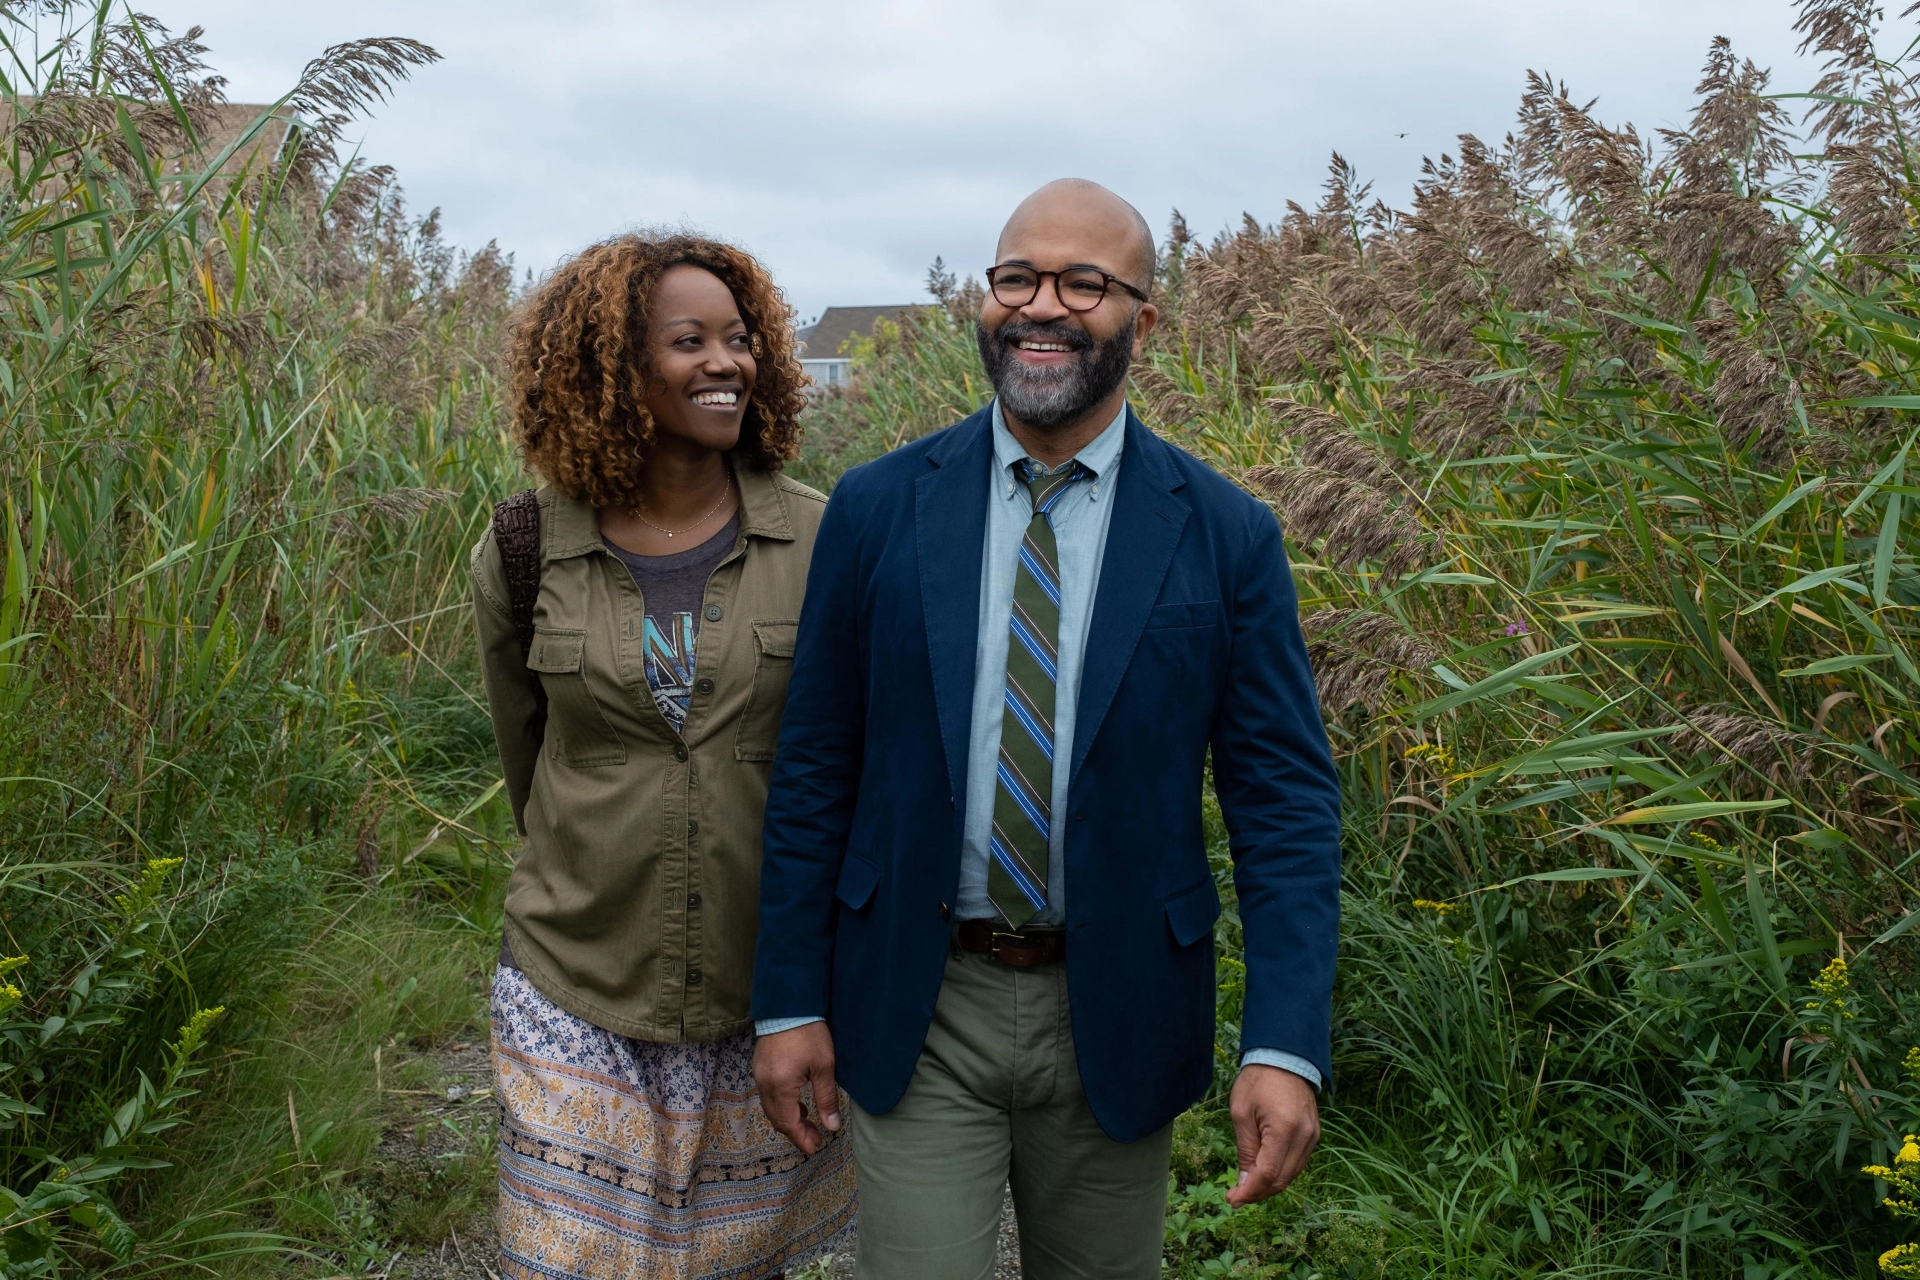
(717, 398)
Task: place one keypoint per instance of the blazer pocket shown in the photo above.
(577, 727)
(1189, 613)
(759, 730)
(1191, 913)
(858, 877)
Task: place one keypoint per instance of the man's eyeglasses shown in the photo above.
(1079, 288)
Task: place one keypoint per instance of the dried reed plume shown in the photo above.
(1355, 652)
(1726, 734)
(1753, 394)
(1354, 520)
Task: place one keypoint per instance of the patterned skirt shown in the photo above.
(625, 1158)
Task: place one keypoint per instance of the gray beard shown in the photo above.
(1046, 398)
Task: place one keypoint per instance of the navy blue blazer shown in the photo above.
(1194, 643)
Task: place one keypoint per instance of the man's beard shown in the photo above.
(1047, 397)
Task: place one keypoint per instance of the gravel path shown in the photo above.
(437, 1109)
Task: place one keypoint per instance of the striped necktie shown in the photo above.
(1023, 793)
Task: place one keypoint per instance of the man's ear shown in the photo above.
(1143, 322)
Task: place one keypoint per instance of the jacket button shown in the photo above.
(680, 751)
(693, 902)
(693, 828)
(693, 977)
(946, 912)
(703, 685)
(713, 613)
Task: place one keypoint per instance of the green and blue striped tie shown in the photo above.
(1023, 794)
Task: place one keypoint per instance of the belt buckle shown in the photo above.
(993, 943)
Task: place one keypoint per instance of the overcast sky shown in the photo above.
(849, 143)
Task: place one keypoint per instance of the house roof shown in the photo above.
(824, 340)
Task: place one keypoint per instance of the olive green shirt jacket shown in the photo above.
(635, 897)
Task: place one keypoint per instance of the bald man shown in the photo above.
(1046, 617)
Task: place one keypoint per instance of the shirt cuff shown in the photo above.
(774, 1026)
(1269, 1058)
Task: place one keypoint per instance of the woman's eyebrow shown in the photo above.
(725, 324)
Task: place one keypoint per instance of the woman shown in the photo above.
(635, 705)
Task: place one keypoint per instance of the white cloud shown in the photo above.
(849, 143)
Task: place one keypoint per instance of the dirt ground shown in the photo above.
(436, 1151)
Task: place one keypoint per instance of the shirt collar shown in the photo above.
(1100, 456)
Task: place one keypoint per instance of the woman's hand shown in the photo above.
(783, 1064)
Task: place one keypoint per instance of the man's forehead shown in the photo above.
(1053, 246)
(1062, 226)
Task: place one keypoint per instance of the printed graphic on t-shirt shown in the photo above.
(670, 666)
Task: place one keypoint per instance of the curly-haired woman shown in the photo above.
(655, 390)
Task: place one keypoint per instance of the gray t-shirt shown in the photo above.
(673, 587)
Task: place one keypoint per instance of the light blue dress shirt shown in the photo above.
(1080, 519)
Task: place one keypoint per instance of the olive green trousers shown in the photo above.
(996, 1101)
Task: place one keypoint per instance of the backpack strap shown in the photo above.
(516, 531)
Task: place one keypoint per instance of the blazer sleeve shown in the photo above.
(511, 688)
(1280, 796)
(815, 782)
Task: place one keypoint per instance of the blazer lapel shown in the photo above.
(950, 527)
(1145, 528)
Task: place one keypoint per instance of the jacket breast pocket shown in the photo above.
(1184, 614)
(577, 727)
(759, 730)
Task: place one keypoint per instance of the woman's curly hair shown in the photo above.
(578, 357)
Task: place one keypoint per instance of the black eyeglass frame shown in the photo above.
(1107, 278)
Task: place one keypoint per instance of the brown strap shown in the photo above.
(1021, 950)
(516, 531)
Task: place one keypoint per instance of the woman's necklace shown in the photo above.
(724, 495)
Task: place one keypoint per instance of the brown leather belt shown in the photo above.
(1021, 950)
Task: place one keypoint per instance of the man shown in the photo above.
(1044, 617)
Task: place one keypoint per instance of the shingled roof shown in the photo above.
(837, 324)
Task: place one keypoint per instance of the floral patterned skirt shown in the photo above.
(625, 1158)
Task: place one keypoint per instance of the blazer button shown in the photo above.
(693, 902)
(680, 751)
(713, 613)
(693, 828)
(693, 977)
(946, 912)
(703, 685)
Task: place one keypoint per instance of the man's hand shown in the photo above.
(782, 1064)
(1276, 1125)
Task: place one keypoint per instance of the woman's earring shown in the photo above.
(757, 345)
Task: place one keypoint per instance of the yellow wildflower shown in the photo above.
(1705, 841)
(1902, 1262)
(1833, 987)
(1438, 908)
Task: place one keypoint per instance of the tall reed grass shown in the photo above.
(1594, 467)
(246, 432)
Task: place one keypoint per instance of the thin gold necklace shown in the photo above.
(724, 495)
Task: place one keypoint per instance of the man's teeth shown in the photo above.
(717, 397)
(1045, 346)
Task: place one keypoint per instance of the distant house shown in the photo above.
(826, 345)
